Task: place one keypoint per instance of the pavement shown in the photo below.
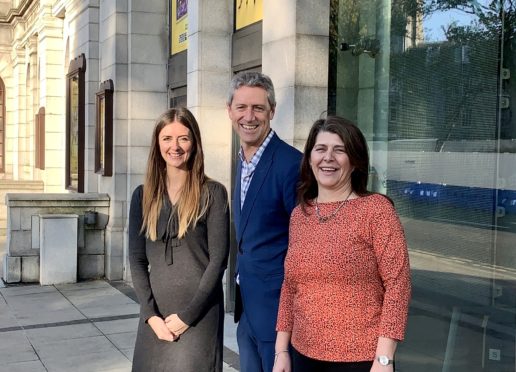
(88, 326)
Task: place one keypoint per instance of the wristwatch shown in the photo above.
(384, 360)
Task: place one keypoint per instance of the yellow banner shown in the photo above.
(179, 26)
(247, 12)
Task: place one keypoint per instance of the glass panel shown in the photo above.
(74, 132)
(179, 101)
(101, 131)
(429, 83)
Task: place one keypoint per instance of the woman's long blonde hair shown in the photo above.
(193, 202)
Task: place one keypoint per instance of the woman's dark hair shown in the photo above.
(355, 146)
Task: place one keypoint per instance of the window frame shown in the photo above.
(76, 70)
(39, 148)
(104, 129)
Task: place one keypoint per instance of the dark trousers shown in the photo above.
(255, 355)
(301, 363)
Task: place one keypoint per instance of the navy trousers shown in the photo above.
(255, 355)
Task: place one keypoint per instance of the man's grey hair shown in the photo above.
(252, 79)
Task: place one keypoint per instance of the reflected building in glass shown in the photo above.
(434, 100)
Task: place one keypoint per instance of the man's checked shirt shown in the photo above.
(249, 168)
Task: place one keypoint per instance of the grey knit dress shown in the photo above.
(182, 276)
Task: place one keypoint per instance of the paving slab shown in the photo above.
(230, 340)
(129, 308)
(45, 335)
(75, 346)
(227, 368)
(89, 362)
(95, 353)
(117, 326)
(128, 353)
(7, 320)
(22, 290)
(98, 299)
(32, 305)
(116, 370)
(30, 366)
(123, 340)
(15, 347)
(87, 284)
(94, 297)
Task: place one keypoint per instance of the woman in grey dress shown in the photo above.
(178, 250)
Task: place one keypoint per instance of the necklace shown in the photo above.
(323, 219)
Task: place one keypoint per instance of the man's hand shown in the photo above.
(160, 328)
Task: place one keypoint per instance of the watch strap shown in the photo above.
(384, 360)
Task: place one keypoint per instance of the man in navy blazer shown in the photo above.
(264, 196)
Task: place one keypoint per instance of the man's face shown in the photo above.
(250, 114)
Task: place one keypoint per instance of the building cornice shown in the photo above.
(16, 12)
(59, 9)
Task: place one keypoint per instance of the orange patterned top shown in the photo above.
(347, 280)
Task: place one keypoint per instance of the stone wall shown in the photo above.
(21, 261)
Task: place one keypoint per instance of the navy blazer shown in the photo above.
(262, 234)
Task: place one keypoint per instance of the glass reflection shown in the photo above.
(74, 132)
(101, 131)
(435, 102)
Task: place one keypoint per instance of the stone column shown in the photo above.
(86, 36)
(208, 75)
(7, 77)
(18, 112)
(113, 65)
(52, 95)
(27, 148)
(146, 98)
(295, 56)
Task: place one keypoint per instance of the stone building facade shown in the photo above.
(49, 48)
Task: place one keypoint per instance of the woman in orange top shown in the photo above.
(345, 298)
